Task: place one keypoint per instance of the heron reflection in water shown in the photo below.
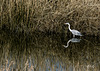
(74, 40)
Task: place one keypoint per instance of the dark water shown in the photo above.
(41, 52)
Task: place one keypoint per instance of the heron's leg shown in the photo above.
(73, 35)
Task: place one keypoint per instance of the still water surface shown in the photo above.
(48, 53)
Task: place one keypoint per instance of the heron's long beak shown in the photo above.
(65, 23)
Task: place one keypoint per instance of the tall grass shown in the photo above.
(50, 15)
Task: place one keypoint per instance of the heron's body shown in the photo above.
(74, 32)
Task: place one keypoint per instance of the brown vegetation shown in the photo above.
(50, 15)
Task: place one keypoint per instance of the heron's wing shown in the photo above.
(76, 32)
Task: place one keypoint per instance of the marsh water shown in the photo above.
(40, 52)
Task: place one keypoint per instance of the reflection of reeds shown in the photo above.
(9, 66)
(46, 52)
(44, 15)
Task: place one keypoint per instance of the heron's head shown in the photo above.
(67, 23)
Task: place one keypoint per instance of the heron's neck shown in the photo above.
(69, 27)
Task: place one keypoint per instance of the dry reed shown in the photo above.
(50, 15)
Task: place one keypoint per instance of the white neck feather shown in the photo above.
(69, 27)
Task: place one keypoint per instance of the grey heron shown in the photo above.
(74, 32)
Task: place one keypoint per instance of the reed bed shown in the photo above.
(50, 15)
